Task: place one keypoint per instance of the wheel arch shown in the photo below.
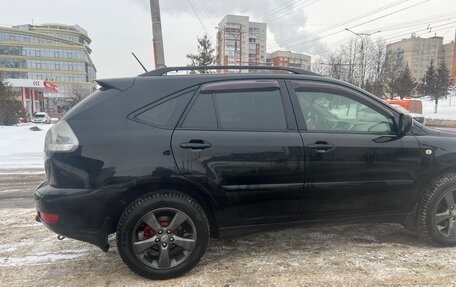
(185, 186)
(425, 183)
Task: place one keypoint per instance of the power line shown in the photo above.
(208, 13)
(303, 5)
(394, 12)
(337, 32)
(280, 7)
(343, 23)
(202, 24)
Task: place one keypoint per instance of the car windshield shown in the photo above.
(39, 116)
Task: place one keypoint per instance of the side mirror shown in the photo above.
(405, 123)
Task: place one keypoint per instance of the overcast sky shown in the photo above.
(118, 27)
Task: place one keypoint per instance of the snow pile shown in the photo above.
(21, 147)
(445, 111)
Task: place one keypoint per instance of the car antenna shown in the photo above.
(139, 62)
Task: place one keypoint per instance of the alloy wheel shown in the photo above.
(445, 215)
(164, 238)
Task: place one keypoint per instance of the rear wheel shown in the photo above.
(163, 235)
(437, 212)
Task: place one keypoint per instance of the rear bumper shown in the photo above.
(83, 213)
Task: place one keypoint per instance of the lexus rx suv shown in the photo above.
(168, 161)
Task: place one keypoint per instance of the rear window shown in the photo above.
(39, 116)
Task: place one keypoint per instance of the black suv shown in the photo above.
(168, 161)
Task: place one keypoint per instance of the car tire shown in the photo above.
(161, 212)
(437, 212)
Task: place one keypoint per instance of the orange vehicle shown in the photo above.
(413, 105)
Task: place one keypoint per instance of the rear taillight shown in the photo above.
(61, 138)
(48, 217)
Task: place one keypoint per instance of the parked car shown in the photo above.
(166, 162)
(41, 118)
(418, 117)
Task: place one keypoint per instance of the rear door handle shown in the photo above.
(322, 146)
(196, 144)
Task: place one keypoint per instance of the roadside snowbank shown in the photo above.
(445, 111)
(22, 148)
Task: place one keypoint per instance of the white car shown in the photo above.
(41, 118)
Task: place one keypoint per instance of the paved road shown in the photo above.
(445, 129)
(340, 255)
(17, 186)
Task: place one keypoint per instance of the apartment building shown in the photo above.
(289, 59)
(419, 52)
(241, 42)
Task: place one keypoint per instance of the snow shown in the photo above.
(44, 258)
(22, 148)
(445, 111)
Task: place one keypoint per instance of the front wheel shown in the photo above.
(437, 212)
(163, 235)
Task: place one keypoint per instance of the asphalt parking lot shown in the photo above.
(342, 255)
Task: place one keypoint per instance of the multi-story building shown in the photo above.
(55, 53)
(241, 42)
(289, 59)
(418, 53)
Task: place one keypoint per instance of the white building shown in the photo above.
(241, 42)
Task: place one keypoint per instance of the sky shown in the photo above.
(315, 27)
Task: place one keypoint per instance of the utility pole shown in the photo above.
(362, 36)
(159, 56)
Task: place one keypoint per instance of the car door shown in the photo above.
(239, 140)
(356, 160)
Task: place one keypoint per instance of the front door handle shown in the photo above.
(196, 144)
(322, 146)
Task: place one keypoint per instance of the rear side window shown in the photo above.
(258, 110)
(159, 115)
(201, 114)
(166, 112)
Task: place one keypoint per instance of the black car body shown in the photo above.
(254, 151)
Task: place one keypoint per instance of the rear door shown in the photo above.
(239, 140)
(356, 161)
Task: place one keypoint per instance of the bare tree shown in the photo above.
(78, 93)
(320, 67)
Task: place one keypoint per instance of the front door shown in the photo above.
(356, 161)
(239, 141)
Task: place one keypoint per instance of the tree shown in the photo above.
(393, 70)
(10, 106)
(429, 85)
(205, 56)
(78, 94)
(443, 83)
(405, 84)
(377, 70)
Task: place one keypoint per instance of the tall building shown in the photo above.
(289, 59)
(418, 53)
(241, 42)
(55, 53)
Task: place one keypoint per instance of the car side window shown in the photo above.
(332, 112)
(257, 110)
(201, 114)
(160, 114)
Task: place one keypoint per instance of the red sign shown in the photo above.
(51, 86)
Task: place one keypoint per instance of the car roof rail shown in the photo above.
(165, 70)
